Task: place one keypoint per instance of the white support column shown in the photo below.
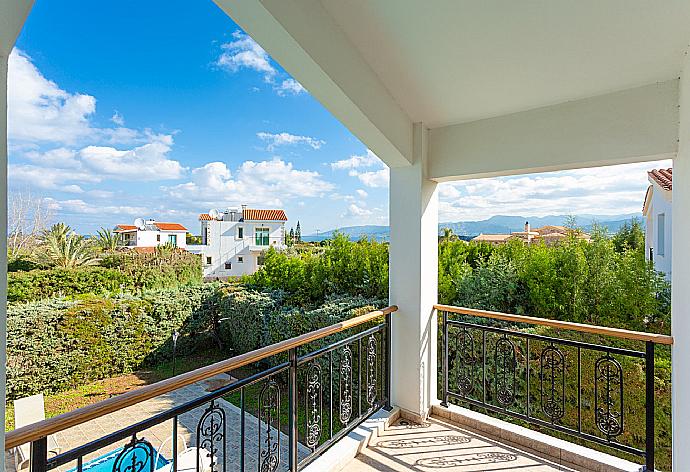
(414, 281)
(3, 240)
(680, 319)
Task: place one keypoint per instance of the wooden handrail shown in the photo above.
(61, 422)
(582, 328)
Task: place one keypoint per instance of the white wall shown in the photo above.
(413, 282)
(660, 203)
(150, 238)
(223, 245)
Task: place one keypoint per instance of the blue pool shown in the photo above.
(106, 462)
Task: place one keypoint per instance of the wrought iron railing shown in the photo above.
(539, 379)
(308, 400)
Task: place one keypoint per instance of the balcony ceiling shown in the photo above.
(380, 66)
(455, 61)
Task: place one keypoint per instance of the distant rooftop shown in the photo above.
(249, 214)
(663, 177)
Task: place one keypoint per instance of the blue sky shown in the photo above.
(167, 109)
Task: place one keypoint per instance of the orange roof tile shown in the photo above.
(169, 226)
(663, 177)
(205, 217)
(124, 228)
(263, 215)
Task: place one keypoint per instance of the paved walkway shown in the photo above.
(441, 446)
(161, 433)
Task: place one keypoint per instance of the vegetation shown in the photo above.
(108, 240)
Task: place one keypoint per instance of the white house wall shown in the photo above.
(660, 204)
(223, 245)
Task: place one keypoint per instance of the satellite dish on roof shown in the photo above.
(140, 223)
(213, 213)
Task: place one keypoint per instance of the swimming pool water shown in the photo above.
(106, 462)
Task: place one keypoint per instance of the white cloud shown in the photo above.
(61, 179)
(259, 183)
(82, 207)
(355, 161)
(373, 179)
(118, 119)
(289, 87)
(39, 110)
(356, 211)
(245, 53)
(148, 162)
(285, 139)
(362, 193)
(600, 191)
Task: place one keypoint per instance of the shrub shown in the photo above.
(94, 338)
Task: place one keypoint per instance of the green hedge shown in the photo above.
(57, 344)
(119, 273)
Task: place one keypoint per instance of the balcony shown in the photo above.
(321, 391)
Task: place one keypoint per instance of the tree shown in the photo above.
(298, 233)
(107, 240)
(291, 239)
(630, 235)
(27, 218)
(448, 235)
(66, 249)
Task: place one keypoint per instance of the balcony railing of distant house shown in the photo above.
(331, 388)
(576, 388)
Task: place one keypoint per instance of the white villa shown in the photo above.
(232, 241)
(152, 233)
(657, 213)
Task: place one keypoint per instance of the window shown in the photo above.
(240, 232)
(158, 237)
(172, 239)
(228, 266)
(208, 260)
(262, 236)
(240, 259)
(660, 234)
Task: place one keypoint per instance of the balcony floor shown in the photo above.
(439, 445)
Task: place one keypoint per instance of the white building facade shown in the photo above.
(658, 218)
(233, 241)
(151, 233)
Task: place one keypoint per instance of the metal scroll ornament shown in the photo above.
(345, 385)
(465, 361)
(371, 370)
(136, 456)
(608, 396)
(269, 427)
(210, 436)
(314, 405)
(552, 383)
(506, 380)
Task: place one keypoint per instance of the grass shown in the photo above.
(69, 400)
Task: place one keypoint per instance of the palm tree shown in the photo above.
(448, 234)
(107, 240)
(67, 249)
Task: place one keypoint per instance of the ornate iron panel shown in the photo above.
(505, 371)
(211, 435)
(465, 361)
(314, 405)
(269, 414)
(137, 456)
(345, 385)
(608, 398)
(372, 354)
(552, 383)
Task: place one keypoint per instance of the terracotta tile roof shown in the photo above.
(169, 226)
(205, 217)
(263, 215)
(124, 228)
(493, 237)
(663, 177)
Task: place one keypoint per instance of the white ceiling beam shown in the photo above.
(12, 17)
(622, 127)
(306, 42)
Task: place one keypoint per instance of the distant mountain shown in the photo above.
(495, 225)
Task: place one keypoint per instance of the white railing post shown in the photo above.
(413, 281)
